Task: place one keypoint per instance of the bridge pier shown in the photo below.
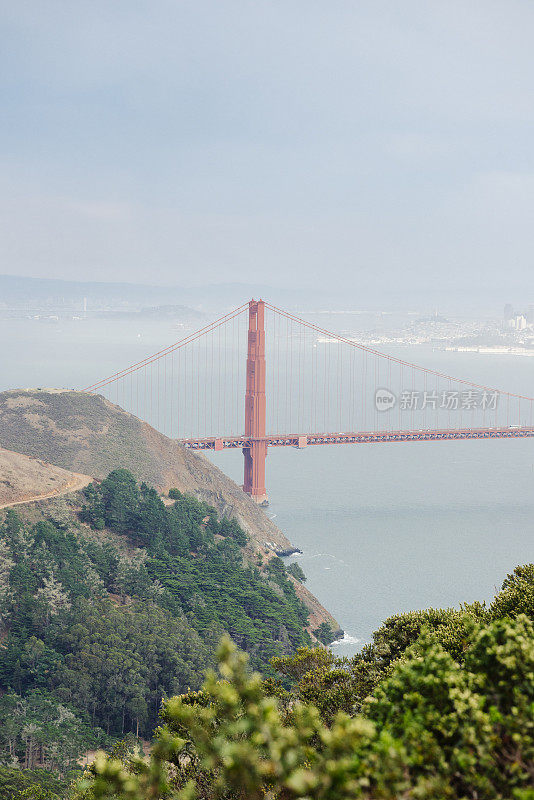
(255, 405)
(254, 483)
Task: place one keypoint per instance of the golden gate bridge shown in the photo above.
(300, 377)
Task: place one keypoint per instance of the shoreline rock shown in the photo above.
(290, 551)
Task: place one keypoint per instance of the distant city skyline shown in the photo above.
(18, 291)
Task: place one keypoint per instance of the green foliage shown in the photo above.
(502, 658)
(120, 662)
(517, 594)
(197, 560)
(297, 572)
(324, 633)
(315, 677)
(26, 784)
(276, 568)
(432, 730)
(39, 731)
(431, 706)
(231, 528)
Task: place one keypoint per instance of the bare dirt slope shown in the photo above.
(87, 434)
(24, 479)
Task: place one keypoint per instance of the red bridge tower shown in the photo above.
(255, 455)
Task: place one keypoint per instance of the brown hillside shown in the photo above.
(24, 479)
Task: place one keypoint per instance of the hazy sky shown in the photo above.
(353, 143)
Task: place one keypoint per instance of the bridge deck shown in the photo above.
(357, 437)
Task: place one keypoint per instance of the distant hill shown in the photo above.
(87, 434)
(21, 292)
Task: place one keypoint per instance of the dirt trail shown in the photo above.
(78, 482)
(27, 480)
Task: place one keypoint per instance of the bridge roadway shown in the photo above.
(357, 437)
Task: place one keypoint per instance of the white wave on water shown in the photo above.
(309, 556)
(347, 639)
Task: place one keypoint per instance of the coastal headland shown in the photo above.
(69, 438)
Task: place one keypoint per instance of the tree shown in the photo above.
(120, 497)
(52, 598)
(18, 784)
(6, 594)
(37, 731)
(324, 633)
(432, 730)
(297, 572)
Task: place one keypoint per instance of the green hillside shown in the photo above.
(109, 606)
